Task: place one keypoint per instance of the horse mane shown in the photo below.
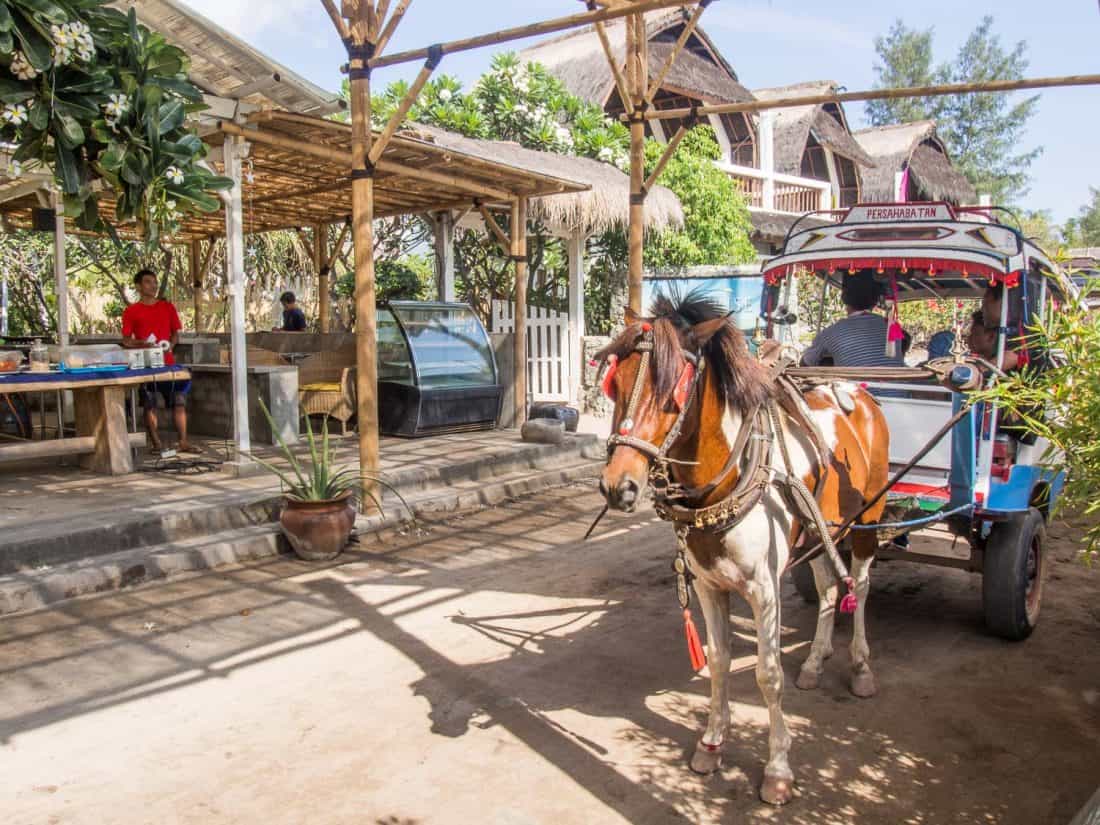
(740, 379)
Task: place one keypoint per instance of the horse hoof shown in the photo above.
(777, 790)
(808, 679)
(864, 685)
(706, 759)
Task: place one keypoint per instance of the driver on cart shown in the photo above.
(859, 339)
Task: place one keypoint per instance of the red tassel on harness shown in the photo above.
(609, 376)
(850, 601)
(683, 385)
(695, 647)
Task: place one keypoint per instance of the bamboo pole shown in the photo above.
(519, 328)
(494, 227)
(689, 29)
(320, 236)
(636, 35)
(616, 72)
(335, 251)
(194, 264)
(337, 20)
(532, 30)
(939, 90)
(391, 25)
(362, 209)
(666, 156)
(398, 117)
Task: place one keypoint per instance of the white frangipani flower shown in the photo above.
(15, 114)
(21, 67)
(445, 95)
(174, 175)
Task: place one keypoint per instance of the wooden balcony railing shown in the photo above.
(779, 193)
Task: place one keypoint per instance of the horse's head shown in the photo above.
(651, 372)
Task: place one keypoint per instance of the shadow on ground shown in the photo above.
(590, 674)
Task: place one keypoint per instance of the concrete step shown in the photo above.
(34, 589)
(35, 546)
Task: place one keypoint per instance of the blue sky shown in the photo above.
(769, 44)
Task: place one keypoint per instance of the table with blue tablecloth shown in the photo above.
(99, 400)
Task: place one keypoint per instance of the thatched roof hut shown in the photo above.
(700, 71)
(795, 127)
(916, 147)
(605, 204)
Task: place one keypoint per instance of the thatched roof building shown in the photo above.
(578, 60)
(805, 134)
(916, 147)
(603, 205)
(699, 75)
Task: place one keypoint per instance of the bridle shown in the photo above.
(751, 447)
(684, 394)
(754, 446)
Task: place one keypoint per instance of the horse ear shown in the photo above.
(701, 333)
(631, 317)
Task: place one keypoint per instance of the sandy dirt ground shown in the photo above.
(495, 670)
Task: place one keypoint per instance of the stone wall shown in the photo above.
(593, 401)
(210, 404)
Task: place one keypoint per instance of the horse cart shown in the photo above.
(957, 467)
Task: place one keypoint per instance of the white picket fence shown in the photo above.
(549, 349)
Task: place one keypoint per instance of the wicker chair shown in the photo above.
(326, 386)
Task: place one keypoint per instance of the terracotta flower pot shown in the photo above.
(318, 530)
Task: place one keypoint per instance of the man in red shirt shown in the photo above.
(150, 322)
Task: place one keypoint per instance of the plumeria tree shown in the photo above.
(526, 104)
(97, 99)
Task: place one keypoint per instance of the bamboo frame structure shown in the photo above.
(365, 29)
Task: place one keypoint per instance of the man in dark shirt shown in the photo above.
(294, 320)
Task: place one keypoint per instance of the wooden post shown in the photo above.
(194, 268)
(320, 266)
(362, 230)
(234, 266)
(60, 270)
(444, 225)
(576, 313)
(637, 75)
(767, 159)
(100, 413)
(519, 257)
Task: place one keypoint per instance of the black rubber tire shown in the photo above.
(1012, 575)
(803, 577)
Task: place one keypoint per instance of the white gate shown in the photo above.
(549, 349)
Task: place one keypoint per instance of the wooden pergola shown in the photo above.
(298, 169)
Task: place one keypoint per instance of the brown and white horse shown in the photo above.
(750, 556)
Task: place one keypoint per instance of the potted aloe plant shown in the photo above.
(319, 507)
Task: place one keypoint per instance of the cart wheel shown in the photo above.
(803, 576)
(1012, 578)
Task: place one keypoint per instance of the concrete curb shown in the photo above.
(101, 534)
(32, 590)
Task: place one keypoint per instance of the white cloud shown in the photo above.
(785, 24)
(247, 18)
